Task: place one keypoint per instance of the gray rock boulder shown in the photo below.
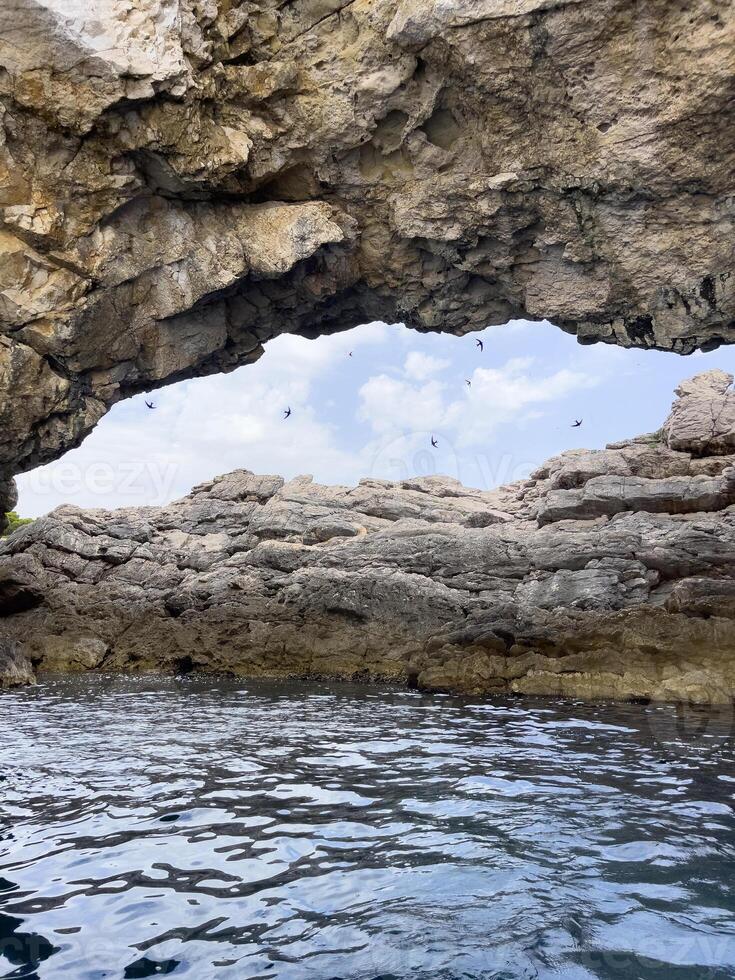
(702, 420)
(607, 495)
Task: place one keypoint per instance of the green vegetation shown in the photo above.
(653, 437)
(14, 522)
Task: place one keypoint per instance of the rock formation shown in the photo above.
(182, 180)
(608, 573)
(15, 668)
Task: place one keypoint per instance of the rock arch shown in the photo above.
(185, 180)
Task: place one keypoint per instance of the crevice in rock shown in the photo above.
(184, 665)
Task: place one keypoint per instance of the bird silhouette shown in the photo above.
(576, 424)
(149, 405)
(287, 412)
(479, 343)
(350, 354)
(468, 382)
(434, 443)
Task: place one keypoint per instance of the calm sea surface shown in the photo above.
(215, 828)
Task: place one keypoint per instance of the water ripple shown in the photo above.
(223, 829)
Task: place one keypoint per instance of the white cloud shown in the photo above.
(370, 414)
(291, 357)
(208, 426)
(496, 397)
(512, 393)
(421, 366)
(394, 404)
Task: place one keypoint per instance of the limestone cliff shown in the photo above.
(607, 574)
(182, 180)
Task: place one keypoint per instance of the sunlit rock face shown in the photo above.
(607, 574)
(181, 181)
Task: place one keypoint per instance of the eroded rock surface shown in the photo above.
(526, 589)
(702, 420)
(182, 180)
(15, 667)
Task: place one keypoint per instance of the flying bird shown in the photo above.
(149, 405)
(479, 343)
(434, 443)
(576, 424)
(468, 382)
(287, 412)
(350, 354)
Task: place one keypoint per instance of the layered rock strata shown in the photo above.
(606, 574)
(183, 180)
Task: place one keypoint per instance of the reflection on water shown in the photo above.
(202, 828)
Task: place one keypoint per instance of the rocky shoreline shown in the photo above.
(607, 574)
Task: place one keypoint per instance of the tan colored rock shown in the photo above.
(183, 181)
(75, 58)
(70, 653)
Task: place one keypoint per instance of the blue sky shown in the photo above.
(373, 414)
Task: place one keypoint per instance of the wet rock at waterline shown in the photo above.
(182, 182)
(15, 668)
(531, 588)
